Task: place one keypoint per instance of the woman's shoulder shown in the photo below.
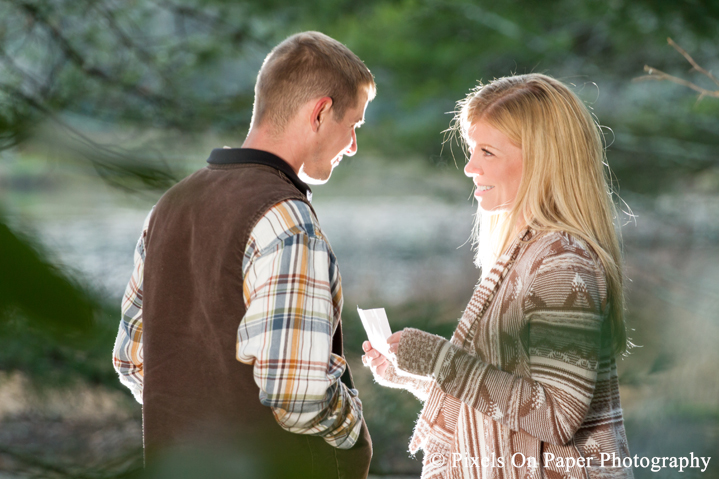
(560, 245)
(558, 264)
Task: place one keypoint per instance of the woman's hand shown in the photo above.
(374, 359)
(393, 342)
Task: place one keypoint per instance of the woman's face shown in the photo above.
(495, 166)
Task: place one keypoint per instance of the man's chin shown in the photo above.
(313, 180)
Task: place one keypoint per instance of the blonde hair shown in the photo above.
(565, 183)
(308, 65)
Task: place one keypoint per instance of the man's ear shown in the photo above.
(321, 112)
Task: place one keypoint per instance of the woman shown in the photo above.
(527, 386)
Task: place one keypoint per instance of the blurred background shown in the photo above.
(104, 104)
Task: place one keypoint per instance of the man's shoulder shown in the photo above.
(236, 198)
(253, 186)
(284, 220)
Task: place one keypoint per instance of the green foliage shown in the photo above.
(51, 327)
(32, 287)
(190, 66)
(52, 360)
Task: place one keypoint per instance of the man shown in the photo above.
(231, 333)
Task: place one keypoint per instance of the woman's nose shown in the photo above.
(472, 167)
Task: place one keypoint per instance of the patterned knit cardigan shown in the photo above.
(527, 387)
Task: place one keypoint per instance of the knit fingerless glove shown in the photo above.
(418, 351)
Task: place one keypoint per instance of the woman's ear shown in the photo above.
(320, 112)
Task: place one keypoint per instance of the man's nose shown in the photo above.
(352, 149)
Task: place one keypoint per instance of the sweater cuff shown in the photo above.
(418, 351)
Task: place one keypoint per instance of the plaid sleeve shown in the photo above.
(127, 354)
(293, 297)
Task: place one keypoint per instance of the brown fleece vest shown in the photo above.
(196, 394)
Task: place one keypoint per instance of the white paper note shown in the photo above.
(377, 327)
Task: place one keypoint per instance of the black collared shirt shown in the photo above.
(225, 156)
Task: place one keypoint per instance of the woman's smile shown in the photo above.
(481, 189)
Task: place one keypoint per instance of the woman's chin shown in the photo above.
(489, 209)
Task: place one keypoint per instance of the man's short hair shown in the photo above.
(308, 65)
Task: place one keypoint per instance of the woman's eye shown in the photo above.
(486, 152)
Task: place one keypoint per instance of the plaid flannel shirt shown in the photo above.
(293, 296)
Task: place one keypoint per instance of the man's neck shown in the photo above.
(284, 146)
